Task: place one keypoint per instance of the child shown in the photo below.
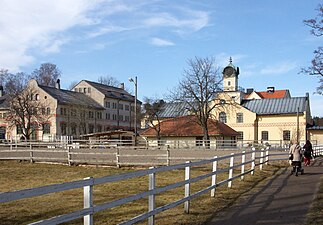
(308, 150)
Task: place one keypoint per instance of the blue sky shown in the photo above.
(153, 39)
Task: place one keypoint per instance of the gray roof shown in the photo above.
(112, 92)
(276, 105)
(174, 109)
(70, 97)
(4, 102)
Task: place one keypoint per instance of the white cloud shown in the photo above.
(36, 27)
(161, 42)
(191, 20)
(278, 68)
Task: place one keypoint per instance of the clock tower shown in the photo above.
(230, 77)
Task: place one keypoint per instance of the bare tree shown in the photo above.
(72, 85)
(316, 67)
(108, 80)
(26, 112)
(201, 80)
(152, 108)
(47, 74)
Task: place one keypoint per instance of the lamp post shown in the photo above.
(135, 115)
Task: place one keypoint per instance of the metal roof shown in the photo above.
(276, 106)
(174, 109)
(112, 92)
(70, 97)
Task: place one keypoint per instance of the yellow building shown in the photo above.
(272, 116)
(90, 108)
(268, 117)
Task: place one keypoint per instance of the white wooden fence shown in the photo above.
(88, 183)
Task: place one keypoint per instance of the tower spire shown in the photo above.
(230, 60)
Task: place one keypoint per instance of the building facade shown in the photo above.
(90, 108)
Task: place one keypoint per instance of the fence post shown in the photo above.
(243, 160)
(117, 157)
(88, 201)
(231, 170)
(31, 154)
(267, 155)
(68, 155)
(187, 189)
(151, 198)
(253, 158)
(261, 158)
(168, 155)
(213, 184)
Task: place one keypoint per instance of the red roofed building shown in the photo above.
(270, 93)
(186, 129)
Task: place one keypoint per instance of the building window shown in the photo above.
(63, 129)
(46, 128)
(73, 129)
(91, 114)
(223, 117)
(222, 101)
(126, 107)
(114, 117)
(91, 128)
(240, 136)
(99, 128)
(239, 117)
(19, 129)
(89, 90)
(63, 111)
(85, 90)
(229, 83)
(43, 111)
(107, 104)
(264, 135)
(121, 106)
(127, 118)
(286, 135)
(114, 105)
(199, 141)
(48, 111)
(99, 115)
(120, 117)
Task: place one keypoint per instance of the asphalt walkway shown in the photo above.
(284, 199)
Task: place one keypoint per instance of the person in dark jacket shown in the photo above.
(308, 152)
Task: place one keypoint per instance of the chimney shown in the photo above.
(1, 91)
(249, 90)
(270, 90)
(58, 84)
(121, 85)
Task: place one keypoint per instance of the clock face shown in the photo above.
(228, 71)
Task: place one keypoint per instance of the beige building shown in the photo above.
(270, 116)
(90, 108)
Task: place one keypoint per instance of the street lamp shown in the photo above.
(135, 116)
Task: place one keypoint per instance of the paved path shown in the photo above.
(284, 199)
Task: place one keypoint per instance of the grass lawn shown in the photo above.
(17, 176)
(315, 214)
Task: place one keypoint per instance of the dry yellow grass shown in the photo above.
(17, 176)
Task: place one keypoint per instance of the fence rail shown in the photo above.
(245, 158)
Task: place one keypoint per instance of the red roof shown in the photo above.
(186, 126)
(275, 94)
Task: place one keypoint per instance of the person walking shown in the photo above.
(308, 152)
(295, 152)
